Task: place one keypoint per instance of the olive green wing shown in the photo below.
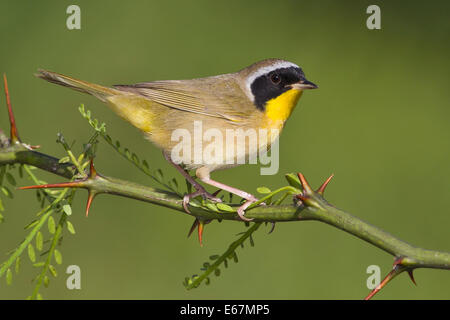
(217, 97)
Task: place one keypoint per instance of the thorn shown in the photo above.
(194, 225)
(14, 135)
(321, 189)
(201, 224)
(398, 261)
(411, 276)
(73, 184)
(272, 228)
(396, 270)
(385, 281)
(217, 192)
(305, 185)
(92, 171)
(302, 197)
(91, 197)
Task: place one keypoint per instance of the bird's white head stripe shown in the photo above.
(264, 70)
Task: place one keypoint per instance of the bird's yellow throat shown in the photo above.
(281, 107)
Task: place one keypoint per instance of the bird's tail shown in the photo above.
(96, 90)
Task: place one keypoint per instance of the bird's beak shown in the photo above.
(304, 84)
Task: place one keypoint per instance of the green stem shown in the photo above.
(47, 194)
(414, 256)
(44, 270)
(321, 211)
(48, 211)
(289, 189)
(17, 153)
(195, 283)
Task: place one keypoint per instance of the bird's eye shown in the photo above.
(275, 78)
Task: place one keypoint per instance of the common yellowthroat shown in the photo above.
(261, 96)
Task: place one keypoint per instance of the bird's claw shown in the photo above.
(202, 192)
(206, 195)
(242, 208)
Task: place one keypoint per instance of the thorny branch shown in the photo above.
(308, 205)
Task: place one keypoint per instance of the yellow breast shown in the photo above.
(279, 109)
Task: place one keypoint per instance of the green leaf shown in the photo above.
(7, 192)
(211, 206)
(135, 158)
(10, 178)
(194, 203)
(38, 264)
(64, 159)
(2, 208)
(225, 207)
(70, 227)
(58, 256)
(217, 272)
(39, 297)
(127, 153)
(145, 164)
(31, 224)
(214, 257)
(46, 281)
(81, 109)
(52, 270)
(173, 184)
(293, 180)
(159, 175)
(39, 241)
(67, 209)
(189, 186)
(1, 218)
(263, 190)
(8, 277)
(31, 253)
(51, 225)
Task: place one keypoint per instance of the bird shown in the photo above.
(260, 96)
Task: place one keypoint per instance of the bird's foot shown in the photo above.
(200, 192)
(241, 210)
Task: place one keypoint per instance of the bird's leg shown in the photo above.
(245, 195)
(200, 190)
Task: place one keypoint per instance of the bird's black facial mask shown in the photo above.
(273, 84)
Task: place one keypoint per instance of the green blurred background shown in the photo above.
(380, 122)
